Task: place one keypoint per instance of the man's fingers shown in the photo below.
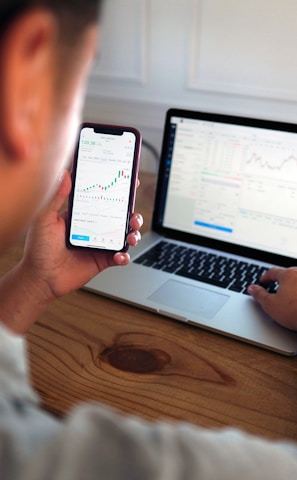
(275, 274)
(61, 194)
(268, 301)
(259, 294)
(136, 221)
(121, 258)
(134, 238)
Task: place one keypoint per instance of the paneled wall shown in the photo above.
(230, 56)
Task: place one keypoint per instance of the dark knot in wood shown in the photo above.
(134, 359)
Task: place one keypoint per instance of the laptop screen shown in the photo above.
(231, 179)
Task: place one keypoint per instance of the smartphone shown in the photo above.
(104, 176)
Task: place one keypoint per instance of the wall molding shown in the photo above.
(108, 65)
(259, 78)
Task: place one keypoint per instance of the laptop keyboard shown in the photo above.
(203, 266)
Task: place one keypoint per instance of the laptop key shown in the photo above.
(169, 269)
(202, 278)
(270, 287)
(235, 287)
(203, 266)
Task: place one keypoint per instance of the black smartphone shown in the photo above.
(104, 176)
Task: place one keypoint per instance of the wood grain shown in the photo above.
(89, 348)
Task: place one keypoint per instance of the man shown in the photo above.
(282, 307)
(46, 48)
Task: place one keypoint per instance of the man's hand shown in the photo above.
(282, 305)
(49, 269)
(61, 269)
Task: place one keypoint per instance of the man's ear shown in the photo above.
(28, 70)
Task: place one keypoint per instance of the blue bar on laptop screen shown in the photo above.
(82, 238)
(215, 227)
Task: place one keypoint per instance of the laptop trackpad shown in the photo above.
(187, 298)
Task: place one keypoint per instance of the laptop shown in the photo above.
(225, 211)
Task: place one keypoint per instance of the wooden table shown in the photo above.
(88, 348)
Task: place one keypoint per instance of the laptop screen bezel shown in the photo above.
(162, 185)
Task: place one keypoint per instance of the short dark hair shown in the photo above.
(73, 15)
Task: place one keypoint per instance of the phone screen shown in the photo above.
(104, 177)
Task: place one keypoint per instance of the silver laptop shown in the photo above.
(225, 211)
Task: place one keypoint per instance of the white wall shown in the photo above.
(230, 56)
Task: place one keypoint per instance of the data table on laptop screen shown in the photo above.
(234, 183)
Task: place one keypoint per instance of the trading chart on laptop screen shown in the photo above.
(234, 183)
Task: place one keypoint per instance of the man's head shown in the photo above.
(73, 15)
(46, 49)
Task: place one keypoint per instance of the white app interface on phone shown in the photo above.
(102, 189)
